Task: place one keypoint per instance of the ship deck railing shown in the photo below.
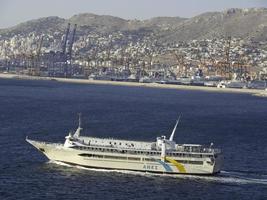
(180, 149)
(145, 152)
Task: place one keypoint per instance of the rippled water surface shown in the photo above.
(47, 110)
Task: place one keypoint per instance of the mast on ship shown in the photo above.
(164, 144)
(174, 129)
(78, 131)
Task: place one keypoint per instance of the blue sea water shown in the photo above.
(47, 110)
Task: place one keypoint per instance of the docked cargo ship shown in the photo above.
(161, 156)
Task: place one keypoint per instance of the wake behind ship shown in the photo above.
(161, 156)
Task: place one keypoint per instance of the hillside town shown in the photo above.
(133, 56)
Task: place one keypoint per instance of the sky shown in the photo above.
(13, 12)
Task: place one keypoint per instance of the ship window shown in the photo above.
(133, 158)
(182, 161)
(149, 159)
(120, 143)
(193, 162)
(85, 155)
(196, 162)
(116, 157)
(97, 156)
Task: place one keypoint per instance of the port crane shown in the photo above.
(66, 55)
(65, 39)
(36, 70)
(71, 43)
(224, 67)
(182, 68)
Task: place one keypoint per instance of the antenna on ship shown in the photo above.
(78, 131)
(174, 129)
(80, 120)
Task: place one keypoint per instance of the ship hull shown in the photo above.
(119, 161)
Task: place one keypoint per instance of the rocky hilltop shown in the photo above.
(243, 23)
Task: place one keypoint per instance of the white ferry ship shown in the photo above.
(161, 156)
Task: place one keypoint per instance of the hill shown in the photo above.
(244, 23)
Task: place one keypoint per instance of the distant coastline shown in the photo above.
(262, 93)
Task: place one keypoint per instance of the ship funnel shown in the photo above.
(174, 129)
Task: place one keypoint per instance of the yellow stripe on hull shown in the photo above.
(178, 165)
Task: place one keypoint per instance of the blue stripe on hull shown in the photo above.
(165, 165)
